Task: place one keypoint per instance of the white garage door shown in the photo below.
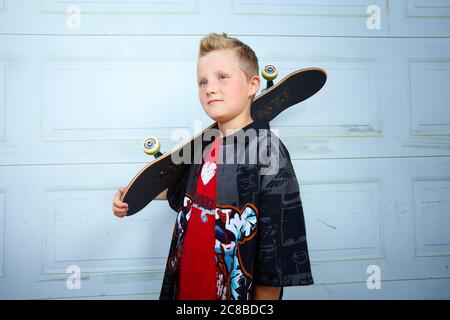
(82, 83)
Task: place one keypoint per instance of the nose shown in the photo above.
(211, 88)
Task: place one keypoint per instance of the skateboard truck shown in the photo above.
(151, 146)
(270, 72)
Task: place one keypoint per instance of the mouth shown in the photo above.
(214, 101)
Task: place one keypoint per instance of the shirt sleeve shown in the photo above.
(282, 254)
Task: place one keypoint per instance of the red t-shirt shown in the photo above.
(198, 279)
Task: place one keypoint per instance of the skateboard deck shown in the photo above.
(162, 172)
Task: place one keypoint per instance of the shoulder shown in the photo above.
(273, 154)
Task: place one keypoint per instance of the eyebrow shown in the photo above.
(219, 71)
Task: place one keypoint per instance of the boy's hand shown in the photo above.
(266, 293)
(119, 208)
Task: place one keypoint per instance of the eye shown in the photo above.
(223, 76)
(202, 83)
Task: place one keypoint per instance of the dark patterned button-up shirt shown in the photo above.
(260, 228)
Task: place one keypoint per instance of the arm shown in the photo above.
(282, 257)
(266, 293)
(120, 208)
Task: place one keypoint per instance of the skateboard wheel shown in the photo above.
(151, 145)
(270, 72)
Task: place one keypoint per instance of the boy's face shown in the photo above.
(224, 90)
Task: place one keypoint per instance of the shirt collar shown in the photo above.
(256, 125)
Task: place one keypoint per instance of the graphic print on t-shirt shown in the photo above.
(233, 227)
(208, 171)
(198, 263)
(211, 266)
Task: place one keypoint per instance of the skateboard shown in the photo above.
(162, 172)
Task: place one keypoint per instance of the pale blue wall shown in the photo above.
(371, 150)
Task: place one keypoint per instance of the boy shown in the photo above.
(247, 237)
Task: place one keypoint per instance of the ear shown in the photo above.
(254, 85)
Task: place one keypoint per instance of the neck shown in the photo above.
(233, 125)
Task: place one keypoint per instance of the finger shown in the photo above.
(120, 204)
(124, 206)
(121, 211)
(120, 214)
(119, 192)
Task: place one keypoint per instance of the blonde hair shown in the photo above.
(248, 61)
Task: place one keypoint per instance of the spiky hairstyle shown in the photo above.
(248, 61)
